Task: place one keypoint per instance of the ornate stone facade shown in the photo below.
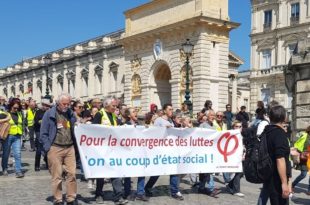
(277, 26)
(141, 64)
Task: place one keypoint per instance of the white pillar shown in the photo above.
(234, 95)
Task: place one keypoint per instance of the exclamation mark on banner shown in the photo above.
(211, 158)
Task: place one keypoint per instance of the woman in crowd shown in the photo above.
(233, 186)
(78, 108)
(14, 138)
(132, 119)
(303, 145)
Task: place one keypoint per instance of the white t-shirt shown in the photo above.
(261, 127)
(161, 122)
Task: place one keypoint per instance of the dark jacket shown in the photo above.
(278, 147)
(243, 117)
(38, 120)
(49, 128)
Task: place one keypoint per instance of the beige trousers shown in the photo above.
(60, 158)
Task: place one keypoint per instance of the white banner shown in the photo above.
(127, 151)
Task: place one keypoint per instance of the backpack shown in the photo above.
(257, 165)
(250, 133)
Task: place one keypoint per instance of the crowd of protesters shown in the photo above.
(50, 130)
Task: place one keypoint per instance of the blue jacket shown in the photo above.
(48, 129)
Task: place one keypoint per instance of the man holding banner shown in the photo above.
(107, 117)
(166, 121)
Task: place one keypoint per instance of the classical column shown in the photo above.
(65, 87)
(55, 82)
(91, 80)
(308, 8)
(234, 94)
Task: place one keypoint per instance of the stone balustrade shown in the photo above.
(83, 48)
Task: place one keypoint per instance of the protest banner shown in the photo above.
(129, 151)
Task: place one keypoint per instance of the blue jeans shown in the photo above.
(300, 177)
(206, 179)
(263, 196)
(226, 177)
(13, 141)
(140, 186)
(174, 183)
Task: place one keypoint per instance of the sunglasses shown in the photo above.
(80, 107)
(237, 126)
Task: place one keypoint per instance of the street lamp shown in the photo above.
(187, 48)
(47, 60)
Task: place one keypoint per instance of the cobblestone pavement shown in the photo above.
(34, 189)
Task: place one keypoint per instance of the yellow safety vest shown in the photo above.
(105, 120)
(16, 129)
(218, 127)
(30, 117)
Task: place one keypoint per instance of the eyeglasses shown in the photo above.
(219, 115)
(80, 107)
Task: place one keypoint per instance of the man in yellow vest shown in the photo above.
(30, 114)
(107, 117)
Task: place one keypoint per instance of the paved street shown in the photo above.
(35, 189)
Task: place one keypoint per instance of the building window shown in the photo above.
(13, 91)
(291, 49)
(246, 102)
(266, 59)
(267, 20)
(39, 86)
(60, 85)
(71, 82)
(5, 91)
(265, 96)
(113, 73)
(294, 13)
(85, 74)
(71, 87)
(98, 78)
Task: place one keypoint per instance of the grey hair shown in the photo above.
(62, 96)
(107, 101)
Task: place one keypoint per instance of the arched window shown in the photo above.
(98, 79)
(5, 91)
(113, 76)
(84, 75)
(13, 91)
(60, 83)
(71, 82)
(21, 88)
(39, 86)
(29, 90)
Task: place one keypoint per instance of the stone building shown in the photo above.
(297, 79)
(143, 63)
(277, 26)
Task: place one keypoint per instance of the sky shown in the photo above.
(34, 27)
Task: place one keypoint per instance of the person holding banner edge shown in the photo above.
(107, 117)
(207, 178)
(131, 119)
(165, 121)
